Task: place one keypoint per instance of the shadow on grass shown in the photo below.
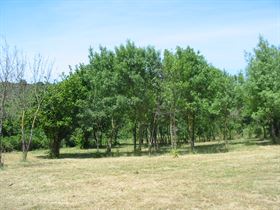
(202, 149)
(250, 142)
(209, 148)
(260, 142)
(104, 154)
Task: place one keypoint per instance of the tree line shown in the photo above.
(137, 94)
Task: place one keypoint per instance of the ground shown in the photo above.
(246, 177)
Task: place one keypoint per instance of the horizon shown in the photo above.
(65, 30)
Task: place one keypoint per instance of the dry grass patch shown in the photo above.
(247, 179)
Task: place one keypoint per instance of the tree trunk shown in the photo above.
(173, 131)
(150, 142)
(147, 136)
(86, 136)
(275, 131)
(193, 132)
(264, 132)
(115, 140)
(161, 135)
(2, 116)
(140, 137)
(96, 140)
(24, 155)
(109, 146)
(97, 144)
(1, 146)
(55, 147)
(225, 132)
(134, 136)
(168, 135)
(100, 139)
(155, 137)
(23, 142)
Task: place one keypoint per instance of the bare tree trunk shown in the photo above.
(173, 131)
(24, 149)
(1, 146)
(41, 72)
(225, 132)
(140, 137)
(1, 136)
(147, 136)
(134, 136)
(32, 127)
(155, 137)
(100, 139)
(275, 131)
(153, 133)
(109, 146)
(97, 145)
(55, 147)
(161, 135)
(26, 145)
(150, 142)
(193, 132)
(264, 132)
(2, 117)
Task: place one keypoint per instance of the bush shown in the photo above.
(12, 143)
(174, 153)
(79, 138)
(39, 141)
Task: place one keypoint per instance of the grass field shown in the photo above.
(246, 177)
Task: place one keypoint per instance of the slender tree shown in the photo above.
(11, 68)
(41, 71)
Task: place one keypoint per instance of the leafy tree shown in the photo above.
(187, 78)
(59, 112)
(263, 86)
(138, 70)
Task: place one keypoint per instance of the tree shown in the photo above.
(263, 86)
(187, 80)
(138, 70)
(58, 115)
(33, 97)
(223, 103)
(11, 68)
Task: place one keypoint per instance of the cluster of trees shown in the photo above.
(171, 100)
(136, 93)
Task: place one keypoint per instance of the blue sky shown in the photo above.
(63, 30)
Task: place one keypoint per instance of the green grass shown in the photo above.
(246, 177)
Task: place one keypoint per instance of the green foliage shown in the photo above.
(11, 143)
(130, 92)
(263, 87)
(174, 153)
(59, 111)
(78, 138)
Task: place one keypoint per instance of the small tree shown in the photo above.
(59, 112)
(41, 71)
(11, 68)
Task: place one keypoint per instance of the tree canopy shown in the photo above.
(138, 95)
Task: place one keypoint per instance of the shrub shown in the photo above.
(11, 143)
(79, 138)
(174, 153)
(39, 141)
